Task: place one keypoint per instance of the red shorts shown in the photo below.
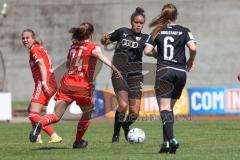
(39, 96)
(74, 88)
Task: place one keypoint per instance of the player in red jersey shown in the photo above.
(77, 83)
(45, 83)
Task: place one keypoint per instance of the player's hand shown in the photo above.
(106, 36)
(190, 65)
(105, 39)
(46, 90)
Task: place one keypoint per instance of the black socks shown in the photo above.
(131, 118)
(119, 117)
(167, 121)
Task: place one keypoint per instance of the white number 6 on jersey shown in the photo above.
(168, 47)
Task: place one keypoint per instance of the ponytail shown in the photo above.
(169, 13)
(83, 32)
(138, 12)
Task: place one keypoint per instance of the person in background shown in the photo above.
(45, 83)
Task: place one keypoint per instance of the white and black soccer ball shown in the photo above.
(136, 135)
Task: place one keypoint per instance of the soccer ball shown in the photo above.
(136, 135)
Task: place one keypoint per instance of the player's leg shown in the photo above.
(167, 117)
(134, 95)
(134, 108)
(121, 90)
(122, 98)
(39, 100)
(48, 119)
(83, 126)
(163, 88)
(179, 83)
(34, 110)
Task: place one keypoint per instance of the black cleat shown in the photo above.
(174, 145)
(164, 148)
(35, 132)
(115, 139)
(81, 145)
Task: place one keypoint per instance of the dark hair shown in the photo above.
(169, 12)
(81, 33)
(138, 12)
(33, 35)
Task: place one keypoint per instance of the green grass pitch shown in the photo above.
(198, 140)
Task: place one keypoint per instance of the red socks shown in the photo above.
(81, 129)
(35, 117)
(49, 119)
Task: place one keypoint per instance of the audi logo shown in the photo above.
(129, 43)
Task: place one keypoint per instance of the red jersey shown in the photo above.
(77, 82)
(36, 54)
(83, 62)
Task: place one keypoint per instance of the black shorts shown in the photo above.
(169, 83)
(132, 84)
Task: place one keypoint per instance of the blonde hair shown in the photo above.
(169, 13)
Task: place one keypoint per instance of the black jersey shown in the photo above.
(128, 43)
(170, 44)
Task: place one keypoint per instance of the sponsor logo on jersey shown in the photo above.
(138, 38)
(171, 33)
(125, 34)
(128, 43)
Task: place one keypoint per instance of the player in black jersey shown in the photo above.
(130, 43)
(167, 42)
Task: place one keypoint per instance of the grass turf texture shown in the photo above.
(198, 139)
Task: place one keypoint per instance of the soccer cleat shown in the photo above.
(55, 139)
(81, 145)
(164, 148)
(126, 130)
(174, 145)
(115, 139)
(35, 132)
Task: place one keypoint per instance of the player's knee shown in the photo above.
(32, 114)
(123, 107)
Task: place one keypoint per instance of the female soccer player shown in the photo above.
(169, 39)
(128, 59)
(45, 84)
(77, 83)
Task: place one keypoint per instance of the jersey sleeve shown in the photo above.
(189, 37)
(115, 35)
(150, 41)
(36, 54)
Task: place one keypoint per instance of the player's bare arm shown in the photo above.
(43, 71)
(98, 53)
(192, 46)
(149, 51)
